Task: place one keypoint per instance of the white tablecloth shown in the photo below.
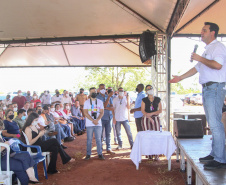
(152, 143)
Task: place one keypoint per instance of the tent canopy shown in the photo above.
(52, 22)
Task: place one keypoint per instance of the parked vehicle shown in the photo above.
(187, 98)
(198, 99)
(192, 98)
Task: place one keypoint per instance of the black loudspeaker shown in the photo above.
(190, 128)
(147, 46)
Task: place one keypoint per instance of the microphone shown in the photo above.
(195, 49)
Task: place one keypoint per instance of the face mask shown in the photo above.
(121, 93)
(35, 97)
(102, 91)
(34, 123)
(57, 93)
(116, 94)
(150, 92)
(39, 112)
(94, 95)
(19, 94)
(4, 108)
(67, 107)
(52, 109)
(45, 93)
(28, 94)
(62, 109)
(15, 109)
(11, 117)
(23, 117)
(66, 95)
(70, 95)
(137, 89)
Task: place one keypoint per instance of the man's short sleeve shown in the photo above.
(101, 105)
(86, 105)
(111, 102)
(197, 66)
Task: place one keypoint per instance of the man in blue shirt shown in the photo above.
(107, 118)
(137, 109)
(77, 116)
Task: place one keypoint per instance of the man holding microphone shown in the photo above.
(212, 76)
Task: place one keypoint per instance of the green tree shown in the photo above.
(126, 77)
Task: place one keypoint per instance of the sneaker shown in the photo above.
(206, 159)
(119, 147)
(87, 157)
(101, 157)
(212, 165)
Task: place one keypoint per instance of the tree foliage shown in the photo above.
(115, 77)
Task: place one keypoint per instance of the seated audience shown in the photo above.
(51, 145)
(11, 127)
(77, 115)
(60, 133)
(63, 123)
(21, 164)
(21, 118)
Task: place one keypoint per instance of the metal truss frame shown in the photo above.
(159, 76)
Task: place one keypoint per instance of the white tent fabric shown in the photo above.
(25, 19)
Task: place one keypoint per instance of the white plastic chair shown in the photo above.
(6, 176)
(47, 154)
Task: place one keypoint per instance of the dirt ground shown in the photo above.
(116, 169)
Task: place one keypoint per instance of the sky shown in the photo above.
(40, 79)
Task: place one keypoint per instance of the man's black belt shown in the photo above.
(208, 84)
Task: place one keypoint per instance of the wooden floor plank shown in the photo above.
(196, 148)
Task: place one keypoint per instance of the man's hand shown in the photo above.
(196, 57)
(95, 122)
(114, 121)
(175, 79)
(111, 94)
(132, 111)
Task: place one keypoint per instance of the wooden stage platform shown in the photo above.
(191, 150)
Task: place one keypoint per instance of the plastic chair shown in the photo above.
(6, 176)
(15, 146)
(47, 154)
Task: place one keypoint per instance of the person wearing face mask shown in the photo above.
(35, 100)
(15, 109)
(60, 117)
(46, 99)
(60, 133)
(20, 99)
(121, 105)
(66, 99)
(137, 109)
(107, 118)
(11, 127)
(56, 98)
(7, 101)
(151, 107)
(21, 118)
(35, 138)
(94, 111)
(28, 97)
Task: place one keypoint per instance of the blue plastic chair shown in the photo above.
(15, 146)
